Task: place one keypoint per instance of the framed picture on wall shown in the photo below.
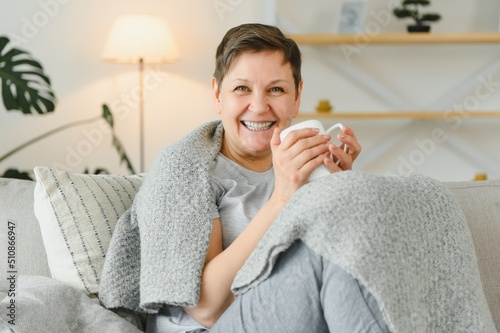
(351, 16)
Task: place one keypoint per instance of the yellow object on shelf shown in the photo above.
(480, 176)
(324, 106)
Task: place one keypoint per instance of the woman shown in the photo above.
(257, 89)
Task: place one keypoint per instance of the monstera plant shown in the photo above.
(27, 88)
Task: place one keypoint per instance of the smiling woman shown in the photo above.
(256, 96)
(249, 175)
(226, 236)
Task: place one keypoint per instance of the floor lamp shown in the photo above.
(140, 39)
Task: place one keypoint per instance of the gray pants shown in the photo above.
(304, 293)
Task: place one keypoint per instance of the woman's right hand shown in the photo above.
(300, 152)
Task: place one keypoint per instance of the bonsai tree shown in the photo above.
(410, 9)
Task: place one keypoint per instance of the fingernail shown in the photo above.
(341, 136)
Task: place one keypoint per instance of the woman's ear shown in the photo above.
(216, 94)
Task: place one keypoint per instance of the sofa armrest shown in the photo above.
(480, 202)
(16, 207)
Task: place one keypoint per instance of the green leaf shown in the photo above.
(431, 17)
(107, 115)
(403, 12)
(123, 155)
(25, 86)
(17, 174)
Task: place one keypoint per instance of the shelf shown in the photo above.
(398, 39)
(396, 115)
(404, 38)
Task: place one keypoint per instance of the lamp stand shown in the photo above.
(141, 112)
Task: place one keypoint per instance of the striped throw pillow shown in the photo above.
(77, 214)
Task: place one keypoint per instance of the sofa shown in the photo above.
(48, 229)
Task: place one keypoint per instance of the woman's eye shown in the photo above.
(277, 90)
(241, 88)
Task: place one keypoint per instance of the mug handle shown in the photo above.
(331, 129)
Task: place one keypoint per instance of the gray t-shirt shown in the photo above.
(239, 194)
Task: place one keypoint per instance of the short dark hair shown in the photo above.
(253, 38)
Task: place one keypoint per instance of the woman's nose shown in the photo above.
(259, 103)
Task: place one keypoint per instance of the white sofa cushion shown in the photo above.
(480, 202)
(77, 214)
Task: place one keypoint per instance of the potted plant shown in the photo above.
(26, 87)
(410, 9)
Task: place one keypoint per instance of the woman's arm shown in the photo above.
(220, 269)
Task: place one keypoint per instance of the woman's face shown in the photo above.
(257, 94)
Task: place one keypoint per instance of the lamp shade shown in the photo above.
(135, 37)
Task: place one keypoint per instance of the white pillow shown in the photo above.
(77, 214)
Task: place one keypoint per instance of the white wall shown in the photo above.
(68, 36)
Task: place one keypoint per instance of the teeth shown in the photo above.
(258, 126)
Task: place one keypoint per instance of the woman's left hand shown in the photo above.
(345, 158)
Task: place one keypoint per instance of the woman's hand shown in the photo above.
(348, 138)
(300, 152)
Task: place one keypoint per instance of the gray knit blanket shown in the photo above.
(159, 245)
(404, 238)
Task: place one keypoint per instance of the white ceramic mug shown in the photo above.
(322, 170)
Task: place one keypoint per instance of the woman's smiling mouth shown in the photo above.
(254, 126)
